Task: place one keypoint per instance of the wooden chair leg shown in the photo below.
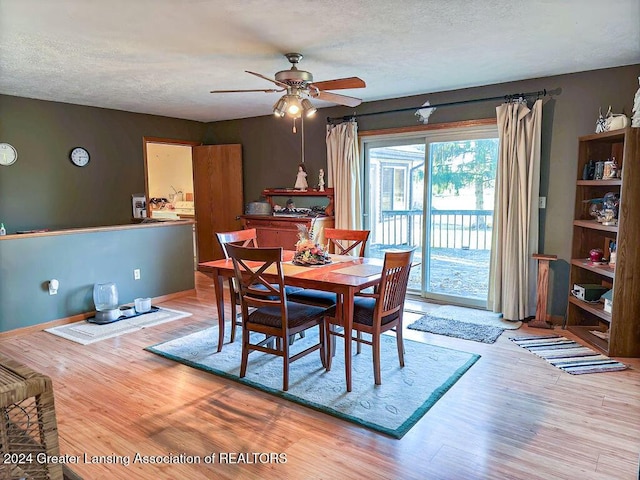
(375, 344)
(328, 344)
(323, 344)
(233, 297)
(245, 353)
(400, 345)
(285, 366)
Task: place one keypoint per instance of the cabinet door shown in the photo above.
(218, 197)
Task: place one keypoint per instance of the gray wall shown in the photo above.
(272, 152)
(162, 252)
(43, 189)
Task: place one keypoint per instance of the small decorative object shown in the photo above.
(635, 119)
(423, 114)
(308, 252)
(589, 170)
(612, 254)
(321, 180)
(596, 255)
(599, 171)
(600, 122)
(610, 169)
(615, 121)
(301, 179)
(609, 212)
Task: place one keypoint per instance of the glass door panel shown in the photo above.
(443, 207)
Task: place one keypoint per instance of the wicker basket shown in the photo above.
(28, 429)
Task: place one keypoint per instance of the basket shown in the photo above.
(28, 428)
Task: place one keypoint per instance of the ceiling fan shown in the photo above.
(300, 86)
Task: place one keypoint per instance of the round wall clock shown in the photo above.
(8, 154)
(79, 156)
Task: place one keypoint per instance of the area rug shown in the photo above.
(406, 394)
(86, 333)
(568, 355)
(464, 323)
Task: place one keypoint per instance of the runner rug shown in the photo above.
(405, 396)
(85, 332)
(465, 323)
(568, 355)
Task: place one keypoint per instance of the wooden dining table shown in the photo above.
(345, 276)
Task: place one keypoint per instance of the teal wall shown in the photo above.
(162, 252)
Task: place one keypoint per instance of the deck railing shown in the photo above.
(467, 229)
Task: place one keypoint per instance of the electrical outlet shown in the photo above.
(542, 202)
(136, 274)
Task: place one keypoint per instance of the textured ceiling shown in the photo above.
(163, 57)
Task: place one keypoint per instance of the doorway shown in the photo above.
(168, 171)
(434, 191)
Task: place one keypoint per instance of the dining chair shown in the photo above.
(245, 238)
(341, 242)
(273, 314)
(376, 313)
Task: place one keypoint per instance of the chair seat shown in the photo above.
(288, 289)
(363, 308)
(298, 313)
(309, 296)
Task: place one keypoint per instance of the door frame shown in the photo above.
(166, 141)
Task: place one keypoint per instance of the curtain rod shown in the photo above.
(506, 98)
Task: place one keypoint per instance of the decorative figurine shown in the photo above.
(321, 180)
(301, 179)
(635, 119)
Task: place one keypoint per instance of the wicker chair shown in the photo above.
(341, 242)
(273, 314)
(376, 313)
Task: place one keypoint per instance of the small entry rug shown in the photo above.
(86, 333)
(568, 355)
(406, 394)
(465, 323)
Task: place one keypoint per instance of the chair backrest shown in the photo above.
(250, 265)
(342, 241)
(393, 282)
(245, 238)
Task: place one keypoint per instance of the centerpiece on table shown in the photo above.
(308, 252)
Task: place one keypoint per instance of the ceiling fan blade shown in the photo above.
(267, 90)
(340, 83)
(268, 79)
(336, 98)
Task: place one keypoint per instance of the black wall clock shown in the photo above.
(79, 156)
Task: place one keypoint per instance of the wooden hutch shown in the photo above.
(282, 230)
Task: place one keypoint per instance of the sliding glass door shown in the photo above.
(435, 192)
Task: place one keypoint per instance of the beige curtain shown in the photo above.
(343, 174)
(512, 284)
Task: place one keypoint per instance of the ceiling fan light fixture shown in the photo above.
(280, 108)
(293, 105)
(308, 108)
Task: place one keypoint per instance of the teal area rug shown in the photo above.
(392, 408)
(568, 355)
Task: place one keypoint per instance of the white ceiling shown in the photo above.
(163, 57)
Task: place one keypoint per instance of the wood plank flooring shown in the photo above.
(511, 416)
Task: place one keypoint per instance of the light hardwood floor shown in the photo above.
(511, 416)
